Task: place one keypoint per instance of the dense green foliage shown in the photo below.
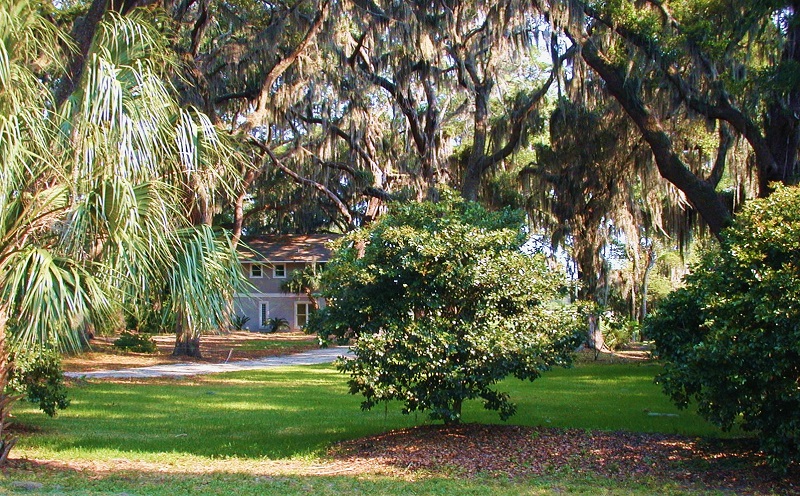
(238, 322)
(730, 337)
(277, 324)
(136, 342)
(444, 305)
(36, 373)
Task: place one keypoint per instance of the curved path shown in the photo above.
(322, 355)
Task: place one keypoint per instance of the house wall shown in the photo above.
(267, 289)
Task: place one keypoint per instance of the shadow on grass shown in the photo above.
(696, 470)
(76, 482)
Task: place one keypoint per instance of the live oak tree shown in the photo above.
(357, 101)
(251, 65)
(444, 305)
(580, 188)
(664, 60)
(590, 185)
(366, 102)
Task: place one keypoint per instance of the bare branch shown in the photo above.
(725, 142)
(340, 206)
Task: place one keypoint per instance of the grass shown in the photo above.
(237, 484)
(601, 397)
(260, 344)
(284, 413)
(296, 413)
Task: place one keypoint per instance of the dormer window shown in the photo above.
(256, 271)
(279, 271)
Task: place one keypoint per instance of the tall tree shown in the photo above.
(580, 183)
(250, 64)
(92, 220)
(454, 86)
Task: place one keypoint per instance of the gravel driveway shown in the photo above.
(322, 355)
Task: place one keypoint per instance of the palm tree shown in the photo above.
(93, 215)
(304, 281)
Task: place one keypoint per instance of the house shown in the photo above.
(268, 262)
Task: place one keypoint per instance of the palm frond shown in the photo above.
(205, 275)
(51, 296)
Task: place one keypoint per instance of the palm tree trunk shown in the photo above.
(312, 301)
(6, 400)
(187, 343)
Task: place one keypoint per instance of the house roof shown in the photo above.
(287, 248)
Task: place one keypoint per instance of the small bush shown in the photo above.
(152, 319)
(277, 324)
(444, 306)
(619, 332)
(239, 321)
(36, 374)
(136, 342)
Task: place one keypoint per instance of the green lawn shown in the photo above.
(296, 413)
(261, 344)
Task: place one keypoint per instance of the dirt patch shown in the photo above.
(631, 353)
(215, 348)
(521, 452)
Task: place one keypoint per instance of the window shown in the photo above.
(263, 314)
(279, 272)
(302, 311)
(256, 271)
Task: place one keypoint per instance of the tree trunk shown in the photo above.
(238, 207)
(188, 346)
(699, 193)
(783, 116)
(651, 261)
(6, 400)
(476, 163)
(587, 249)
(457, 410)
(187, 343)
(596, 340)
(312, 301)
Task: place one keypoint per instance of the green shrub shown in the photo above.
(444, 305)
(152, 318)
(729, 338)
(618, 332)
(239, 321)
(277, 324)
(36, 373)
(136, 342)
